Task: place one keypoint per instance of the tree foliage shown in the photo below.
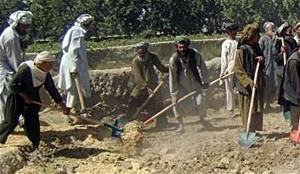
(149, 17)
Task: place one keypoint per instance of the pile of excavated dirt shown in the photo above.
(132, 136)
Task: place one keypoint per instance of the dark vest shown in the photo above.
(289, 92)
(192, 64)
(249, 63)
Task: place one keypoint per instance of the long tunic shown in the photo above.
(10, 59)
(267, 46)
(144, 76)
(22, 82)
(183, 82)
(74, 59)
(291, 87)
(228, 52)
(245, 79)
(144, 73)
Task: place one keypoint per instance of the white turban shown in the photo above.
(22, 17)
(85, 19)
(44, 56)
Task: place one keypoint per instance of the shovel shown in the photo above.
(295, 135)
(182, 99)
(137, 112)
(247, 139)
(116, 127)
(284, 53)
(72, 114)
(81, 98)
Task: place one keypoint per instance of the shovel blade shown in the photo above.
(246, 140)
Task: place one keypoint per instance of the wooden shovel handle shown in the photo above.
(182, 99)
(72, 114)
(80, 94)
(252, 98)
(137, 112)
(284, 53)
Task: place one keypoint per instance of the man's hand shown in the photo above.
(174, 100)
(150, 91)
(65, 109)
(74, 74)
(205, 85)
(259, 59)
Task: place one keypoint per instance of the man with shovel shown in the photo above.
(184, 78)
(249, 82)
(145, 81)
(74, 72)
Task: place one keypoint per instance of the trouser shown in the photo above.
(230, 100)
(3, 99)
(295, 110)
(271, 88)
(154, 105)
(14, 108)
(256, 123)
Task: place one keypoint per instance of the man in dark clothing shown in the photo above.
(145, 81)
(23, 90)
(291, 87)
(285, 32)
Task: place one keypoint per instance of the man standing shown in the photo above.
(145, 80)
(228, 51)
(74, 64)
(11, 51)
(267, 45)
(247, 57)
(184, 78)
(291, 87)
(286, 33)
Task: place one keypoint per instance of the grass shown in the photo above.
(104, 43)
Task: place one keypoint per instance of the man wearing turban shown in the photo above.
(11, 51)
(24, 88)
(74, 62)
(267, 45)
(184, 77)
(247, 57)
(145, 80)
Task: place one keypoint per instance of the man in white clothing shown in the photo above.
(229, 48)
(11, 51)
(74, 62)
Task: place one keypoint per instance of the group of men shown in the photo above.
(277, 53)
(22, 79)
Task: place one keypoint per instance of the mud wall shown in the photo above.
(118, 57)
(110, 90)
(109, 69)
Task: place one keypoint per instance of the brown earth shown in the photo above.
(209, 146)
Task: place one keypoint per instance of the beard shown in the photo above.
(182, 53)
(21, 33)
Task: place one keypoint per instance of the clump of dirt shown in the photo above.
(132, 136)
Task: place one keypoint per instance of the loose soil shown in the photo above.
(207, 146)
